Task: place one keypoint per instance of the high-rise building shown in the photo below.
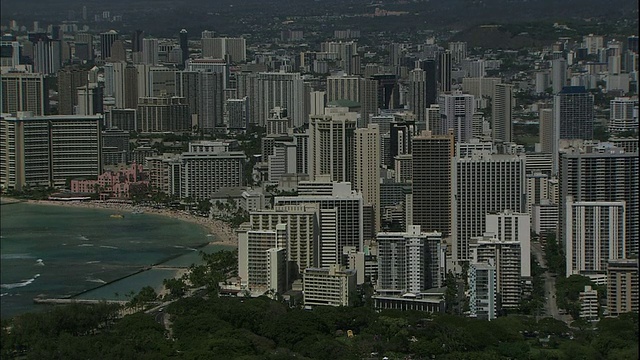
(279, 89)
(237, 113)
(106, 41)
(83, 46)
(410, 261)
(163, 114)
(458, 50)
(367, 168)
(69, 80)
(202, 174)
(418, 96)
(593, 43)
(388, 92)
(456, 112)
(331, 145)
(432, 158)
(35, 150)
(136, 41)
(150, 51)
(47, 53)
(604, 174)
(219, 48)
(341, 217)
(508, 226)
(431, 79)
(483, 291)
(184, 46)
(210, 101)
(483, 183)
(254, 258)
(622, 286)
(502, 112)
(573, 113)
(343, 88)
(24, 92)
(548, 138)
(624, 115)
(444, 68)
(130, 87)
(368, 101)
(558, 74)
(344, 52)
(594, 234)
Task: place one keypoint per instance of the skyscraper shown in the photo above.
(331, 145)
(24, 92)
(106, 41)
(367, 167)
(444, 67)
(343, 88)
(573, 113)
(279, 89)
(69, 80)
(624, 115)
(604, 174)
(622, 286)
(432, 157)
(150, 51)
(368, 101)
(456, 112)
(210, 101)
(136, 41)
(418, 96)
(431, 79)
(502, 109)
(483, 183)
(184, 46)
(558, 74)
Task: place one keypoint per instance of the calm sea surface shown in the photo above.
(58, 251)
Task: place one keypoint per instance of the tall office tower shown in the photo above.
(432, 157)
(388, 92)
(632, 43)
(162, 81)
(573, 113)
(624, 115)
(210, 101)
(47, 53)
(285, 90)
(114, 82)
(395, 54)
(458, 50)
(130, 87)
(502, 112)
(431, 79)
(456, 113)
(368, 101)
(118, 53)
(483, 291)
(418, 96)
(433, 118)
(341, 217)
(69, 80)
(83, 46)
(34, 150)
(508, 226)
(136, 41)
(150, 51)
(187, 84)
(24, 92)
(506, 255)
(331, 146)
(594, 234)
(219, 48)
(317, 102)
(593, 43)
(343, 88)
(367, 168)
(302, 151)
(89, 100)
(345, 52)
(106, 41)
(237, 113)
(163, 114)
(548, 138)
(409, 261)
(483, 183)
(605, 174)
(444, 71)
(622, 286)
(558, 74)
(184, 46)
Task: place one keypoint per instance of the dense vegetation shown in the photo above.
(260, 328)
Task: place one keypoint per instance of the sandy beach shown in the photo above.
(224, 234)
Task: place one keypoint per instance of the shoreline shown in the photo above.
(224, 234)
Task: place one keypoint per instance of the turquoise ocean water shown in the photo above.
(55, 251)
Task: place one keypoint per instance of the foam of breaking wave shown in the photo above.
(20, 284)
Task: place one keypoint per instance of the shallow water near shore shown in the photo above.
(54, 251)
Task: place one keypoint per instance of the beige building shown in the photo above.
(24, 92)
(622, 286)
(367, 168)
(333, 286)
